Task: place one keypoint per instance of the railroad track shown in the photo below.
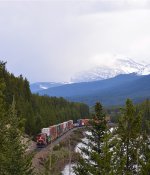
(42, 153)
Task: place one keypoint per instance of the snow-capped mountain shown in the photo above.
(36, 87)
(119, 66)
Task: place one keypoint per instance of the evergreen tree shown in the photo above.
(146, 116)
(129, 142)
(145, 152)
(18, 161)
(96, 155)
(13, 157)
(2, 122)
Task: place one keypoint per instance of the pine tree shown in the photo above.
(146, 116)
(129, 142)
(145, 152)
(13, 157)
(96, 155)
(2, 122)
(18, 161)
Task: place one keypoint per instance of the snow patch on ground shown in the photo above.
(66, 170)
(77, 149)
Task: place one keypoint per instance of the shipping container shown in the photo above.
(79, 121)
(47, 132)
(65, 127)
(59, 129)
(53, 132)
(83, 122)
(70, 124)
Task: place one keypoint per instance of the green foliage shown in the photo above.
(16, 160)
(13, 157)
(3, 122)
(131, 142)
(96, 153)
(114, 112)
(52, 110)
(145, 109)
(33, 112)
(38, 111)
(125, 151)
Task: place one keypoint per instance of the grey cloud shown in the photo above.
(52, 40)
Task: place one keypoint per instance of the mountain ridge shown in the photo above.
(111, 91)
(38, 86)
(110, 85)
(119, 66)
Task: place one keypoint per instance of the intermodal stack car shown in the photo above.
(83, 122)
(51, 133)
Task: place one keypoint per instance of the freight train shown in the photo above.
(51, 133)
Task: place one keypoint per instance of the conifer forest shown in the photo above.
(124, 150)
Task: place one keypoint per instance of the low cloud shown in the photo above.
(53, 40)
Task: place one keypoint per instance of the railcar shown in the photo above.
(41, 140)
(65, 127)
(51, 133)
(83, 122)
(59, 129)
(70, 124)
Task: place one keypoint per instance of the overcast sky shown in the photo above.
(53, 40)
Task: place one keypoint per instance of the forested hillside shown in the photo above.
(144, 108)
(37, 111)
(110, 92)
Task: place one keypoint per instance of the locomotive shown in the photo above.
(51, 133)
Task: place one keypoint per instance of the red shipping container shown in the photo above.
(70, 124)
(53, 132)
(60, 128)
(85, 121)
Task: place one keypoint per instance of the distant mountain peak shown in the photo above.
(119, 66)
(36, 87)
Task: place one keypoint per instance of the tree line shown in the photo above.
(37, 111)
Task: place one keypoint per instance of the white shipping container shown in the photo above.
(65, 125)
(46, 131)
